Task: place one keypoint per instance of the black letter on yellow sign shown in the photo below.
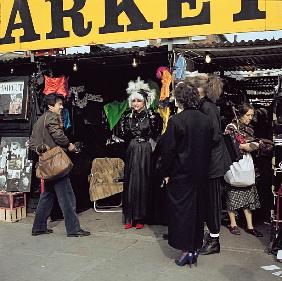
(249, 11)
(58, 15)
(138, 21)
(174, 14)
(22, 7)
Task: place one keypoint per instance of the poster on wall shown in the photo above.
(13, 97)
(15, 167)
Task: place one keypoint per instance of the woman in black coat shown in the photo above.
(186, 147)
(210, 88)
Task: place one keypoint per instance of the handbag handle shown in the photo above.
(236, 118)
(44, 123)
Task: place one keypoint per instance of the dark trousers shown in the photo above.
(63, 189)
(214, 205)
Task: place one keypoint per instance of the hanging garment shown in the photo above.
(66, 118)
(114, 111)
(57, 85)
(166, 81)
(164, 113)
(180, 67)
(155, 86)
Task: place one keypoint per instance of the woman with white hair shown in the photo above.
(138, 129)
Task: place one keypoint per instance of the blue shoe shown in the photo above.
(185, 259)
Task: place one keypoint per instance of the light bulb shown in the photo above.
(74, 68)
(134, 62)
(208, 58)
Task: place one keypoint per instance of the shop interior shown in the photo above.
(101, 76)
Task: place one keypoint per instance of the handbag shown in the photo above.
(53, 164)
(242, 172)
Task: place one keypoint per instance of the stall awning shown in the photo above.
(237, 56)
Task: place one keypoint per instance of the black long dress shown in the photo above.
(216, 168)
(186, 147)
(137, 129)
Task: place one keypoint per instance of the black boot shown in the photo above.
(211, 246)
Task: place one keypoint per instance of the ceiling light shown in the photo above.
(75, 67)
(134, 62)
(208, 58)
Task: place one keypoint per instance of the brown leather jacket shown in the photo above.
(52, 131)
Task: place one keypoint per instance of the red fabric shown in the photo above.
(241, 139)
(41, 185)
(57, 85)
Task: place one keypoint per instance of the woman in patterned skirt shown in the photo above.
(245, 198)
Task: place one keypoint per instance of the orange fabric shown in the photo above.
(166, 81)
(57, 85)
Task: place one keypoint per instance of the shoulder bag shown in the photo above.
(54, 163)
(242, 172)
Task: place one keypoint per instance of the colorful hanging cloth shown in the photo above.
(57, 85)
(66, 118)
(164, 113)
(114, 111)
(180, 68)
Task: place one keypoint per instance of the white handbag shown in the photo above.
(241, 173)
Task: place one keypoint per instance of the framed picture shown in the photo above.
(15, 167)
(13, 97)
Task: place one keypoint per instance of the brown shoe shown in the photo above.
(254, 232)
(234, 230)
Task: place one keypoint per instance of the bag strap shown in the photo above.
(236, 118)
(44, 123)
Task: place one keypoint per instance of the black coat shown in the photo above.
(216, 168)
(186, 147)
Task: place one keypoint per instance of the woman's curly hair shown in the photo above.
(187, 95)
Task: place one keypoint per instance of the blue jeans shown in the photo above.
(63, 189)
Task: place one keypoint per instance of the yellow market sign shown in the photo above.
(45, 24)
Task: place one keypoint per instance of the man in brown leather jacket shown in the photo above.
(50, 126)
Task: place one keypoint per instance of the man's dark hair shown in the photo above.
(51, 99)
(187, 95)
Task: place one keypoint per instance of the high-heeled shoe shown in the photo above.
(195, 258)
(185, 259)
(189, 258)
(128, 225)
(139, 225)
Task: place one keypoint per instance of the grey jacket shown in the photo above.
(52, 131)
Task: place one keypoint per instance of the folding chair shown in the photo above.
(106, 179)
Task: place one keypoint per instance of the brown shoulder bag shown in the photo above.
(53, 164)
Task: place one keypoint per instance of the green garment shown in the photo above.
(114, 111)
(154, 85)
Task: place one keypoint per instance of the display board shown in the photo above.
(13, 97)
(15, 167)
